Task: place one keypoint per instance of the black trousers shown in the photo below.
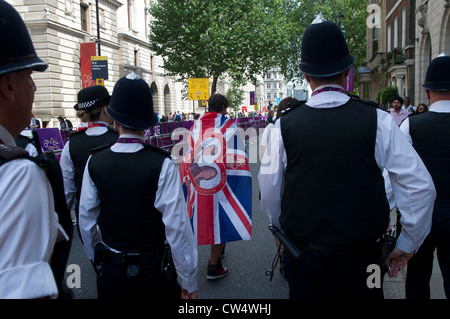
(420, 267)
(330, 275)
(114, 283)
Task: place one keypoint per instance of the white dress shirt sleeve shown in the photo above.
(68, 172)
(271, 175)
(28, 232)
(412, 185)
(170, 202)
(89, 211)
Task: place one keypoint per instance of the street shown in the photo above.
(247, 261)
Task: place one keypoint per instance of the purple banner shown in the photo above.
(350, 83)
(252, 97)
(50, 139)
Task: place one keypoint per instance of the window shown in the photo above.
(403, 28)
(84, 14)
(389, 38)
(268, 85)
(395, 32)
(268, 96)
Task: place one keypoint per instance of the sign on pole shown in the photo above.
(99, 67)
(198, 89)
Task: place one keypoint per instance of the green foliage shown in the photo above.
(300, 14)
(245, 37)
(235, 95)
(384, 96)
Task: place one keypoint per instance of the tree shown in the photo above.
(235, 95)
(301, 13)
(245, 37)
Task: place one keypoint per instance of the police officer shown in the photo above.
(131, 202)
(429, 134)
(91, 108)
(321, 180)
(28, 222)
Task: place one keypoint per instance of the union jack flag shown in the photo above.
(217, 181)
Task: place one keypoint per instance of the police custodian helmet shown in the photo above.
(16, 49)
(438, 74)
(131, 103)
(324, 51)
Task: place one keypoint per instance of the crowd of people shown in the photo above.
(333, 168)
(401, 109)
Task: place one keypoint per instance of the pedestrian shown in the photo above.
(429, 134)
(284, 104)
(90, 108)
(321, 179)
(131, 203)
(408, 107)
(219, 200)
(398, 113)
(421, 108)
(28, 219)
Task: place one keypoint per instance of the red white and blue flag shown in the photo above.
(217, 181)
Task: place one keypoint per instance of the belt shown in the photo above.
(140, 258)
(343, 249)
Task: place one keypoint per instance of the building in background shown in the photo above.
(64, 33)
(403, 36)
(391, 43)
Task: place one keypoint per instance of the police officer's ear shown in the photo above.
(7, 86)
(428, 94)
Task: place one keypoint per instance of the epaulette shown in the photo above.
(9, 153)
(289, 109)
(158, 149)
(100, 148)
(371, 103)
(83, 130)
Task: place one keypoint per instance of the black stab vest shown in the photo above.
(127, 185)
(430, 133)
(334, 190)
(80, 147)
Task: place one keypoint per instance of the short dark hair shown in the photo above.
(285, 103)
(397, 98)
(217, 102)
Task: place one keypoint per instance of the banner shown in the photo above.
(217, 181)
(87, 50)
(350, 83)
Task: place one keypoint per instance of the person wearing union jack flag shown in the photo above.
(217, 183)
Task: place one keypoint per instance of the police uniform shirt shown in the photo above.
(438, 107)
(411, 183)
(28, 229)
(169, 201)
(68, 168)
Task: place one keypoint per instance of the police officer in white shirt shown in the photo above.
(28, 222)
(429, 134)
(321, 179)
(91, 108)
(131, 202)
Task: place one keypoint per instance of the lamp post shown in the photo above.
(98, 28)
(207, 51)
(340, 18)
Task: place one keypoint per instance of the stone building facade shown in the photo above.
(59, 27)
(401, 43)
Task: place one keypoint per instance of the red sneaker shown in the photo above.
(216, 271)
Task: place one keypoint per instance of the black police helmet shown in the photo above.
(131, 103)
(17, 50)
(438, 74)
(92, 97)
(324, 50)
